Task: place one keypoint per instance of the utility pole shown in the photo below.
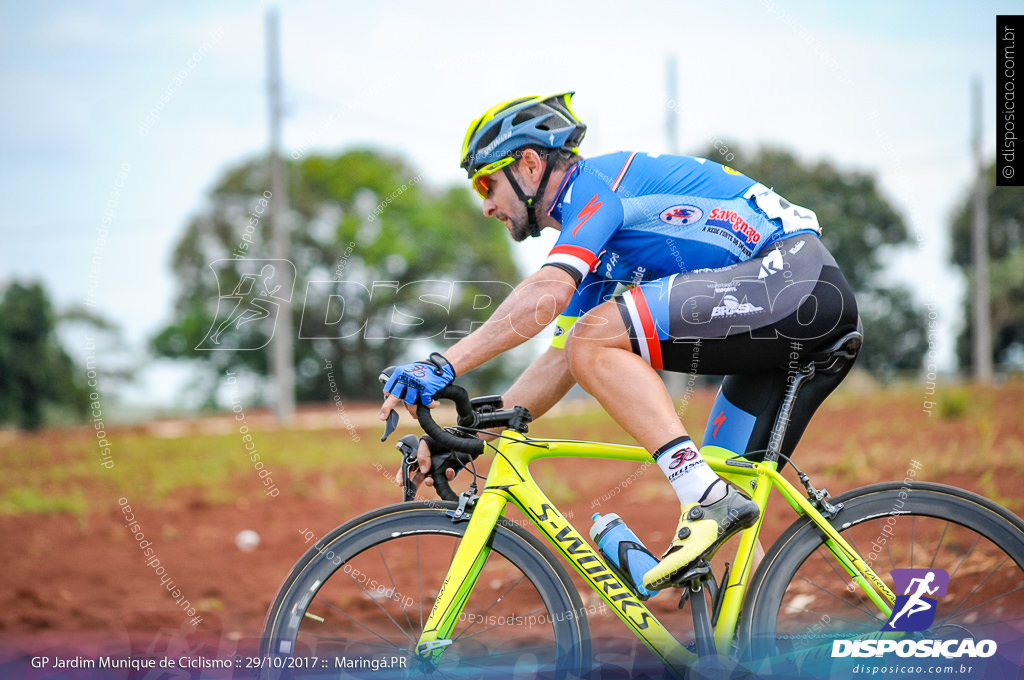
(672, 108)
(675, 383)
(981, 338)
(282, 355)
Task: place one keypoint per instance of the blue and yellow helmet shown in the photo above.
(493, 138)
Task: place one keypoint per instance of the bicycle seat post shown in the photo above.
(832, 359)
(781, 424)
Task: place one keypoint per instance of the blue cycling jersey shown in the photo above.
(631, 217)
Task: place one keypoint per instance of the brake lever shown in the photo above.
(392, 421)
(409, 446)
(390, 425)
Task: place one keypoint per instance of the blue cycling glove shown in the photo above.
(420, 381)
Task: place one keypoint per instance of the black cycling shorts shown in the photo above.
(756, 322)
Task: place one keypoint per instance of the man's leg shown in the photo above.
(602, 361)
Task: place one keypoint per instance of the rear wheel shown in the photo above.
(801, 599)
(360, 600)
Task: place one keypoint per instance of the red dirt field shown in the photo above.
(80, 586)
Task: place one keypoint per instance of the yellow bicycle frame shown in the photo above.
(509, 480)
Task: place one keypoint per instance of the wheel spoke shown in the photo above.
(518, 580)
(361, 625)
(379, 606)
(938, 545)
(976, 589)
(913, 525)
(833, 564)
(795, 588)
(394, 588)
(463, 636)
(834, 596)
(817, 613)
(966, 555)
(361, 643)
(496, 601)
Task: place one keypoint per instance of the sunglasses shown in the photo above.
(482, 177)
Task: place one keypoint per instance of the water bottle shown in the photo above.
(629, 559)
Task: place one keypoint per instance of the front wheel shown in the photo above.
(358, 600)
(801, 599)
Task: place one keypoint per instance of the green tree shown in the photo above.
(858, 226)
(1006, 268)
(37, 376)
(357, 218)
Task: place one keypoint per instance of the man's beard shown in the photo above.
(519, 227)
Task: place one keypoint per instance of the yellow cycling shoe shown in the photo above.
(702, 530)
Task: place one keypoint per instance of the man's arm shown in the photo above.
(533, 304)
(541, 386)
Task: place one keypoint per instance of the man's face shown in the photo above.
(503, 204)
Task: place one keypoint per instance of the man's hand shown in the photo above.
(417, 383)
(423, 460)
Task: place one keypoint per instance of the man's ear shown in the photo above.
(531, 165)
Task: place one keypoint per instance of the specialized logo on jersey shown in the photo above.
(770, 264)
(586, 213)
(914, 610)
(732, 220)
(732, 307)
(679, 215)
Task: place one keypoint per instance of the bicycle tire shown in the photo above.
(797, 604)
(524, 617)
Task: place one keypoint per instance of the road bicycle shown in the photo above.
(455, 589)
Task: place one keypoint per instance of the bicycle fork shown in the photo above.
(469, 560)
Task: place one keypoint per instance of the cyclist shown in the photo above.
(724, 277)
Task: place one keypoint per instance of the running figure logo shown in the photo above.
(261, 286)
(915, 608)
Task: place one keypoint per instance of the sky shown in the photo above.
(117, 118)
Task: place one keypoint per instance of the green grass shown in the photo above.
(866, 436)
(58, 472)
(23, 500)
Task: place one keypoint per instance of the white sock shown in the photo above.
(687, 471)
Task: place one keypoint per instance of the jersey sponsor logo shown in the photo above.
(770, 264)
(727, 234)
(610, 265)
(638, 276)
(732, 307)
(796, 249)
(586, 213)
(730, 218)
(731, 171)
(723, 287)
(680, 215)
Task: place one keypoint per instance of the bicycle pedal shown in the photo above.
(699, 571)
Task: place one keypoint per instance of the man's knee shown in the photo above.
(602, 328)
